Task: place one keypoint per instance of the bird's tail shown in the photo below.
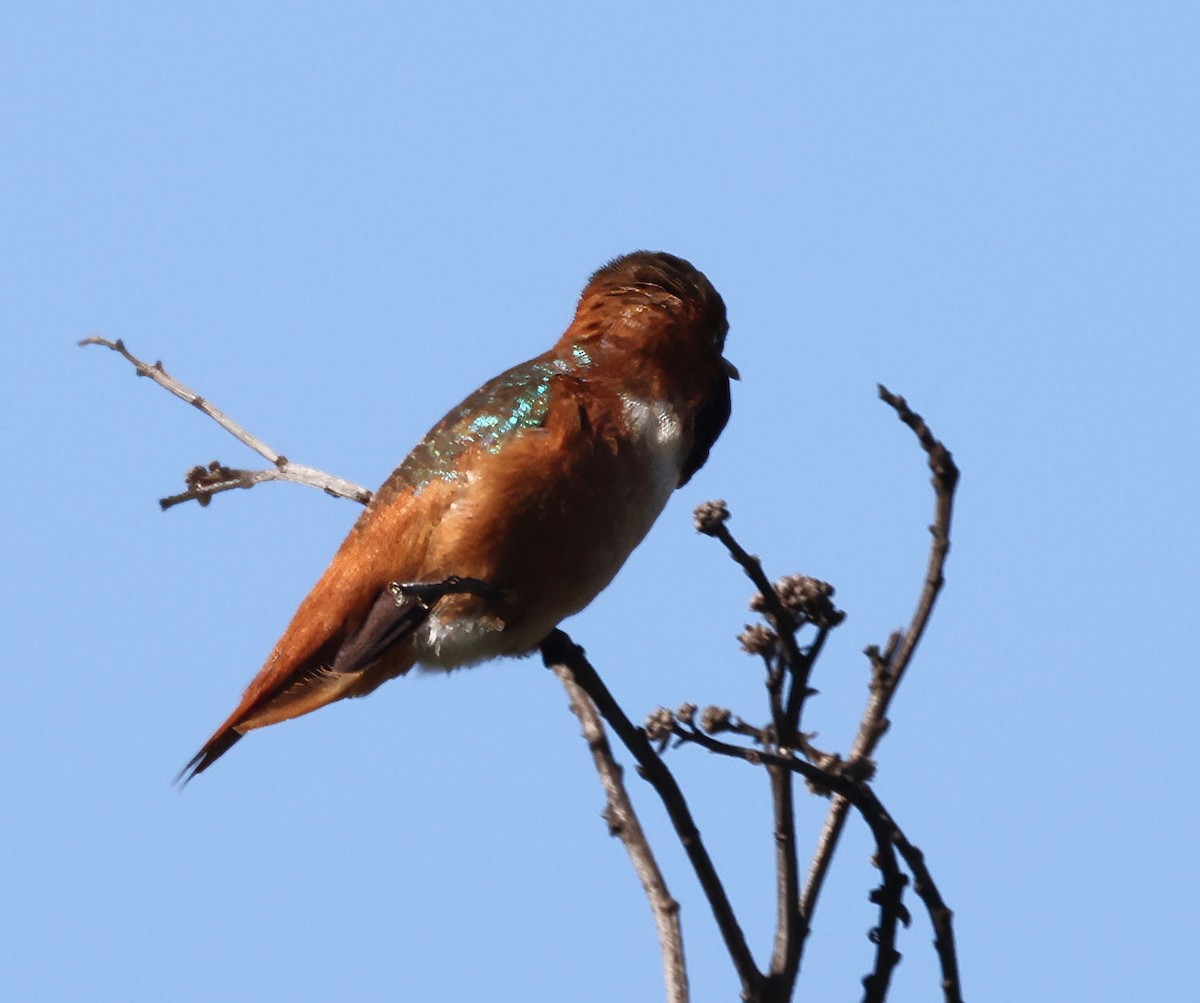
(209, 753)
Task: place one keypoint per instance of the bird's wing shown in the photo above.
(351, 622)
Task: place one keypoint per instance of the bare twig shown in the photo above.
(710, 519)
(888, 668)
(785, 953)
(203, 483)
(787, 605)
(623, 823)
(889, 894)
(939, 915)
(783, 667)
(559, 649)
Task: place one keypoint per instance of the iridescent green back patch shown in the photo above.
(488, 419)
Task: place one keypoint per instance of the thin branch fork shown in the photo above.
(841, 782)
(889, 895)
(204, 482)
(558, 649)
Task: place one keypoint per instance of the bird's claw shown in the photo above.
(427, 594)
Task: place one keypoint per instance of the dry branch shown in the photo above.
(204, 482)
(624, 824)
(888, 668)
(559, 649)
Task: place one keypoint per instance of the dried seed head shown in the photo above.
(809, 600)
(715, 719)
(659, 725)
(709, 515)
(758, 639)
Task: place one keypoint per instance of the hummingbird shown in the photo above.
(525, 500)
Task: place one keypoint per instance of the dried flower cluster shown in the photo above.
(759, 639)
(715, 720)
(809, 600)
(710, 515)
(660, 725)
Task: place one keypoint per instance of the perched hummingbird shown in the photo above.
(538, 486)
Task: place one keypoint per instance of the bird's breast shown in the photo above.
(550, 520)
(656, 433)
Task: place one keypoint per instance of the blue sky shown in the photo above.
(335, 222)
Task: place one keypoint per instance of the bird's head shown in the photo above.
(658, 308)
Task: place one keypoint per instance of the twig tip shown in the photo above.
(710, 516)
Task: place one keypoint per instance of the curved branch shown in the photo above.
(867, 802)
(888, 896)
(940, 916)
(888, 668)
(945, 480)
